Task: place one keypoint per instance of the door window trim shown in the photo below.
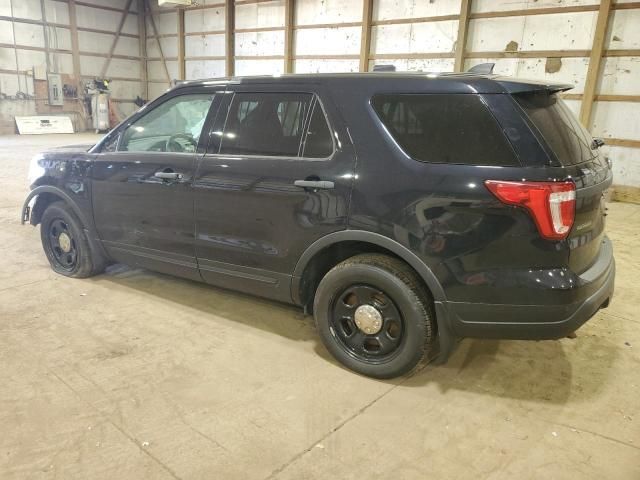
(314, 101)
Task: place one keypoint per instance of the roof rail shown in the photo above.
(383, 67)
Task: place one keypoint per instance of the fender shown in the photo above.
(56, 191)
(376, 239)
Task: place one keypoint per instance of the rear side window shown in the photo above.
(266, 124)
(455, 129)
(566, 137)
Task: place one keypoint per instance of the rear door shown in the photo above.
(142, 196)
(276, 177)
(576, 156)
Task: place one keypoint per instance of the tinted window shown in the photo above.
(444, 128)
(318, 142)
(268, 124)
(172, 126)
(562, 132)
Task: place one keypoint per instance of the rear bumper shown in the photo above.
(538, 322)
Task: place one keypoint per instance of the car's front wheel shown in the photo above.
(374, 315)
(65, 243)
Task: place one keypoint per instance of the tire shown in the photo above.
(66, 245)
(385, 344)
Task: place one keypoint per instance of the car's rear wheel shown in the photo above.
(374, 315)
(65, 243)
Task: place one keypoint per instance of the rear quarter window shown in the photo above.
(564, 135)
(435, 128)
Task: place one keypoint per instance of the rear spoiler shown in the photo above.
(515, 87)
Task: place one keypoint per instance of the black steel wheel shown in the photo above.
(374, 315)
(62, 244)
(65, 243)
(367, 323)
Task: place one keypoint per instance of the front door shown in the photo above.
(142, 198)
(276, 177)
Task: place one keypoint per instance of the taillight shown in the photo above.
(551, 204)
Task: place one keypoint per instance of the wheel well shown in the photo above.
(329, 257)
(43, 200)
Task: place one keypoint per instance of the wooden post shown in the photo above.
(181, 46)
(289, 39)
(463, 29)
(142, 42)
(229, 37)
(365, 36)
(75, 49)
(594, 62)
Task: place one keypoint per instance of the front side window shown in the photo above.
(266, 124)
(173, 126)
(455, 129)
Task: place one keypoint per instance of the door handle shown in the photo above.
(314, 184)
(168, 175)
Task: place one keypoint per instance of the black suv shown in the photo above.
(404, 210)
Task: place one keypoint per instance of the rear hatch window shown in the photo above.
(436, 128)
(567, 139)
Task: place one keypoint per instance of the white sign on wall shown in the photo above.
(42, 125)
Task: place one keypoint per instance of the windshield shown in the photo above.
(565, 136)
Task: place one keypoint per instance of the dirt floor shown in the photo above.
(133, 375)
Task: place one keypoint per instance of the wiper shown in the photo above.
(597, 143)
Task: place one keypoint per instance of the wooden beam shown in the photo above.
(529, 54)
(259, 57)
(125, 12)
(535, 11)
(93, 5)
(207, 32)
(410, 56)
(229, 37)
(259, 29)
(62, 25)
(155, 32)
(249, 2)
(329, 56)
(400, 21)
(289, 36)
(594, 62)
(625, 193)
(75, 55)
(365, 35)
(181, 46)
(310, 26)
(463, 29)
(622, 142)
(142, 48)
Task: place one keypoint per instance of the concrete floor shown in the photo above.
(133, 375)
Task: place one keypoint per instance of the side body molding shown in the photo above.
(369, 237)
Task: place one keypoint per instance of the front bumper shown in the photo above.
(537, 322)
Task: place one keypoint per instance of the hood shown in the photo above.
(84, 147)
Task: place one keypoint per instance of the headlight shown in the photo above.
(35, 169)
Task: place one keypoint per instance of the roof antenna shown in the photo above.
(381, 67)
(482, 68)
